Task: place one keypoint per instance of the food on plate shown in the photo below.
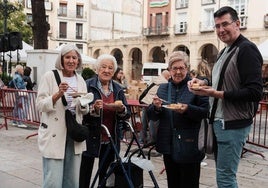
(118, 102)
(77, 94)
(174, 106)
(195, 86)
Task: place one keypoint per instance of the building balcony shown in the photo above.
(205, 27)
(71, 37)
(155, 31)
(71, 14)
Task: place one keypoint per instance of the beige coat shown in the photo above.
(51, 140)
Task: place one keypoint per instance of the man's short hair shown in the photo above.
(226, 10)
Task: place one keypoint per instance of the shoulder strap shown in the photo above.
(215, 101)
(169, 100)
(57, 76)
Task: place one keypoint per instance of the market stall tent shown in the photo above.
(263, 47)
(18, 55)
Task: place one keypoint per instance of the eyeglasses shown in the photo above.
(223, 25)
(175, 69)
(104, 67)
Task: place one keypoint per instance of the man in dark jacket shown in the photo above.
(238, 97)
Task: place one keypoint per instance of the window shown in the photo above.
(208, 20)
(205, 2)
(150, 72)
(79, 11)
(63, 9)
(181, 4)
(29, 18)
(80, 48)
(159, 23)
(63, 29)
(241, 7)
(181, 23)
(79, 31)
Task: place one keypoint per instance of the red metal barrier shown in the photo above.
(19, 106)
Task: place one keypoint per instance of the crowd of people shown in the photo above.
(69, 164)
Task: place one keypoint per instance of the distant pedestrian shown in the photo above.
(27, 79)
(120, 78)
(21, 97)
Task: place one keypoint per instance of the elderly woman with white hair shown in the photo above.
(103, 110)
(61, 154)
(185, 116)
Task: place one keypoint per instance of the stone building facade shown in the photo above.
(138, 31)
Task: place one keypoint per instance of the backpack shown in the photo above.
(144, 93)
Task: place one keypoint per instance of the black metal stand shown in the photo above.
(140, 150)
(111, 170)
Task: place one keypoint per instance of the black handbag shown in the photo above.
(75, 130)
(184, 146)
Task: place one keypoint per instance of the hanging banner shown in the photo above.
(159, 3)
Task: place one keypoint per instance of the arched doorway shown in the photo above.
(157, 55)
(96, 53)
(183, 48)
(117, 53)
(209, 53)
(136, 56)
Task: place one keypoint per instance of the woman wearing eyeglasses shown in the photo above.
(182, 111)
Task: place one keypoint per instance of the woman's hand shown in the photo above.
(157, 102)
(63, 88)
(98, 105)
(120, 108)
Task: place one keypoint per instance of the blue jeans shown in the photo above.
(62, 173)
(19, 108)
(230, 145)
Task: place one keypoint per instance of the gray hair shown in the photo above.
(106, 57)
(66, 48)
(178, 56)
(18, 67)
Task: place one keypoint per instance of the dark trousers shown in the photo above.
(184, 175)
(87, 164)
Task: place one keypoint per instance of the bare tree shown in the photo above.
(39, 25)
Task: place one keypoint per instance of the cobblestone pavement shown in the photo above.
(20, 164)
